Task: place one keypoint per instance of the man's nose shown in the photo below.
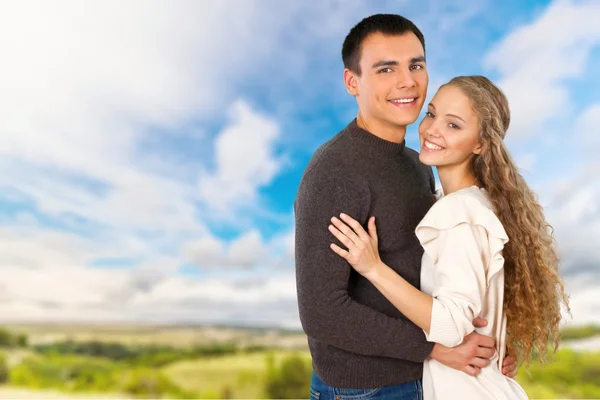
(405, 80)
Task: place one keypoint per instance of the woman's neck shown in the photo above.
(455, 178)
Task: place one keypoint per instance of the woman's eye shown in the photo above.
(429, 114)
(453, 126)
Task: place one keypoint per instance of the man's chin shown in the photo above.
(405, 120)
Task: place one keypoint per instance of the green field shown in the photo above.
(243, 375)
(574, 375)
(155, 362)
(8, 392)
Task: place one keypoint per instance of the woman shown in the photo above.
(488, 249)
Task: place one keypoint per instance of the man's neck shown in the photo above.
(393, 134)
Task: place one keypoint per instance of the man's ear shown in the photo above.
(350, 82)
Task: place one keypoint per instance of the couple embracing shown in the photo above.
(406, 292)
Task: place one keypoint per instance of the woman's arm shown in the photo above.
(416, 305)
(363, 255)
(410, 301)
(460, 280)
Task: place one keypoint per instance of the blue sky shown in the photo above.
(150, 152)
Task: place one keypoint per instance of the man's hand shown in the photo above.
(473, 354)
(470, 356)
(509, 366)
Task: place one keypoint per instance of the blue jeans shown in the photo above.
(319, 390)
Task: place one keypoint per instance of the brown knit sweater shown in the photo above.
(356, 337)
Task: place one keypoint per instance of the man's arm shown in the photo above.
(326, 310)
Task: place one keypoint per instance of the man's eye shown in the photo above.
(385, 70)
(416, 67)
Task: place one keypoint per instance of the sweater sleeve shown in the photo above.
(327, 312)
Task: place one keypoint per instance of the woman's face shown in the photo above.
(449, 133)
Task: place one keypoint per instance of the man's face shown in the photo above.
(392, 86)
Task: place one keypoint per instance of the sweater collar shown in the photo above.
(375, 142)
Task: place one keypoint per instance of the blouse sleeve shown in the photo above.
(460, 284)
(464, 239)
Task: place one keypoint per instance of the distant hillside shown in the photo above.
(580, 332)
(180, 335)
(184, 334)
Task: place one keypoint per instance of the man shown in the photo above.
(360, 344)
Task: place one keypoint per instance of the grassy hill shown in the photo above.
(149, 361)
(243, 376)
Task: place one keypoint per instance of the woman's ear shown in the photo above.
(479, 148)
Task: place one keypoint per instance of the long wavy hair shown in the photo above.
(534, 293)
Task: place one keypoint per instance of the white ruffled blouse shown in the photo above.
(462, 269)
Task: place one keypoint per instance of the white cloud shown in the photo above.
(63, 288)
(84, 89)
(207, 251)
(248, 250)
(52, 248)
(172, 300)
(572, 208)
(81, 86)
(535, 60)
(584, 304)
(47, 268)
(28, 245)
(85, 86)
(245, 161)
(574, 211)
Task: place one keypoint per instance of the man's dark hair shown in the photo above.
(388, 24)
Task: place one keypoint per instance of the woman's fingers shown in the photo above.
(339, 251)
(342, 227)
(372, 228)
(356, 227)
(343, 238)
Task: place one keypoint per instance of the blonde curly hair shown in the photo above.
(533, 290)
